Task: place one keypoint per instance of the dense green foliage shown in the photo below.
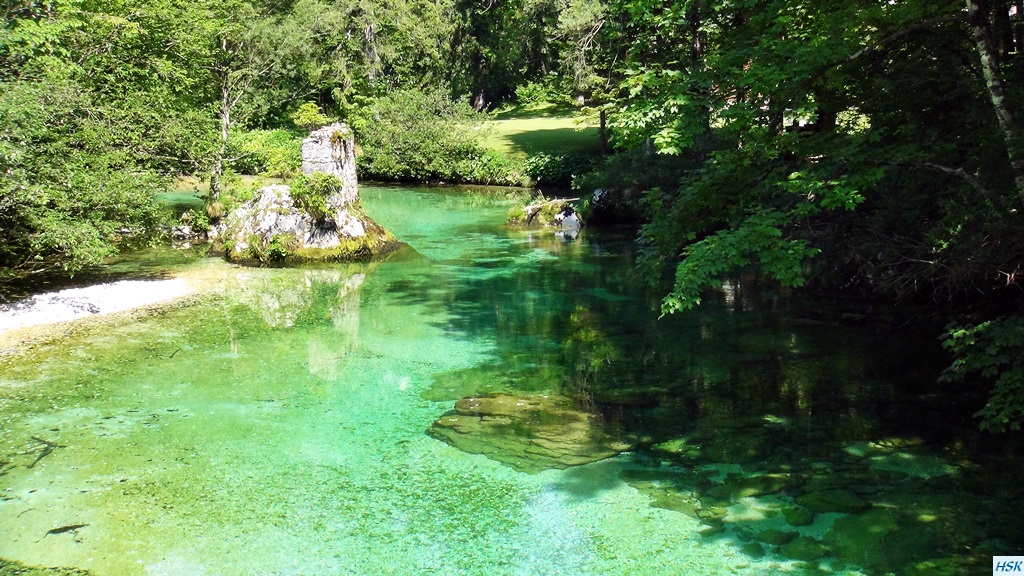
(557, 170)
(73, 157)
(272, 153)
(414, 135)
(869, 146)
(992, 350)
(872, 146)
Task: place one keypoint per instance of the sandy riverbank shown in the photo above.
(75, 303)
(50, 317)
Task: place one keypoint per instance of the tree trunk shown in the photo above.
(217, 170)
(1003, 28)
(702, 139)
(1018, 26)
(223, 75)
(602, 132)
(980, 28)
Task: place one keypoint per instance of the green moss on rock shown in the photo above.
(753, 550)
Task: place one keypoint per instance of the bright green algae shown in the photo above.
(276, 425)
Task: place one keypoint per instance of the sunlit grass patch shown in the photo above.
(521, 131)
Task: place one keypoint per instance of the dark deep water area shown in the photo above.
(491, 401)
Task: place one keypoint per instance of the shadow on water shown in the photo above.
(825, 444)
(590, 481)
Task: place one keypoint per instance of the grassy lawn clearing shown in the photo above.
(528, 130)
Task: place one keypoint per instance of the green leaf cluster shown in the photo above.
(558, 170)
(309, 117)
(991, 352)
(72, 187)
(312, 193)
(863, 130)
(270, 153)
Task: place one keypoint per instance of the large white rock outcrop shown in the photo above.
(331, 150)
(273, 226)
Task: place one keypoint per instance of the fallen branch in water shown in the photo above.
(47, 449)
(72, 528)
(65, 529)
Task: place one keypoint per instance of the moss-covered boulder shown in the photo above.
(318, 218)
(273, 229)
(529, 433)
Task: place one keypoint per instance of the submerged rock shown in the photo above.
(735, 487)
(775, 537)
(276, 226)
(803, 548)
(529, 433)
(837, 500)
(882, 538)
(798, 516)
(753, 549)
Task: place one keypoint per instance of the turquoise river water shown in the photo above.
(282, 422)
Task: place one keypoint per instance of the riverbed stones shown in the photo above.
(678, 449)
(527, 432)
(675, 501)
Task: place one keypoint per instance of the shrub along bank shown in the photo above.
(426, 137)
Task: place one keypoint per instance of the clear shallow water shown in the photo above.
(276, 424)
